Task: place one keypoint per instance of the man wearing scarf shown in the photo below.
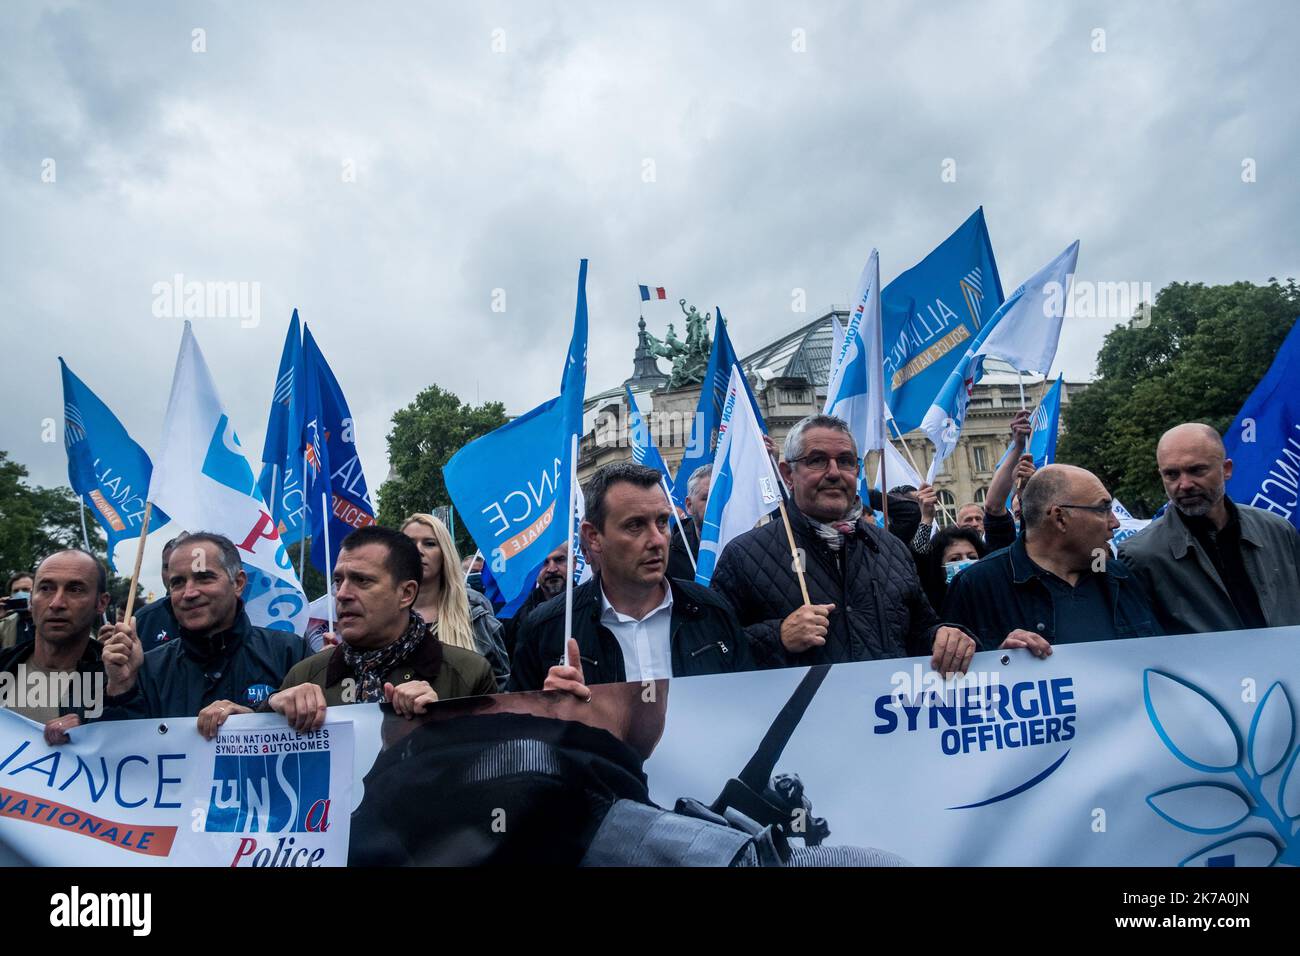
(865, 598)
(388, 652)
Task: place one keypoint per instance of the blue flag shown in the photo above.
(511, 487)
(644, 450)
(931, 312)
(281, 479)
(1264, 440)
(335, 480)
(708, 413)
(106, 468)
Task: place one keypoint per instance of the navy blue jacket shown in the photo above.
(1002, 593)
(245, 664)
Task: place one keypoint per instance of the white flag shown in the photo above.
(856, 392)
(202, 479)
(898, 471)
(743, 486)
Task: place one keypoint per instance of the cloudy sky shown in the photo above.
(385, 167)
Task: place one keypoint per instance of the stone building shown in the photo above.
(789, 377)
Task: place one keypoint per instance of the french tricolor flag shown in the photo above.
(652, 292)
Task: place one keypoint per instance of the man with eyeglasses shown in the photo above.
(1057, 583)
(865, 598)
(1208, 563)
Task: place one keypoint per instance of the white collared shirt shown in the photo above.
(646, 644)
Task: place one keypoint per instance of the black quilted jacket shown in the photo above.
(880, 609)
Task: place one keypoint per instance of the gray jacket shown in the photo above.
(487, 636)
(1185, 589)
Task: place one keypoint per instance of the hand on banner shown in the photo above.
(569, 680)
(1036, 644)
(928, 498)
(953, 650)
(56, 730)
(214, 715)
(303, 706)
(123, 655)
(410, 698)
(1020, 428)
(806, 627)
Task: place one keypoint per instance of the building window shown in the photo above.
(947, 512)
(980, 495)
(981, 458)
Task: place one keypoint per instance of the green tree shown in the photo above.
(1203, 352)
(425, 434)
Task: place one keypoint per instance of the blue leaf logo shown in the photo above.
(1193, 726)
(1272, 731)
(1201, 807)
(1288, 792)
(1246, 849)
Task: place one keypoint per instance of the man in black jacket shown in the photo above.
(866, 600)
(69, 594)
(631, 622)
(220, 664)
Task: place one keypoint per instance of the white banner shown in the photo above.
(147, 792)
(1162, 751)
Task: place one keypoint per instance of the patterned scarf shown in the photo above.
(370, 667)
(833, 532)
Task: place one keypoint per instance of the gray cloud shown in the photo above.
(478, 170)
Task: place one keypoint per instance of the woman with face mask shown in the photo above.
(951, 550)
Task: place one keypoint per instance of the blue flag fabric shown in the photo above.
(1264, 440)
(708, 413)
(511, 486)
(931, 312)
(106, 468)
(337, 474)
(281, 481)
(644, 450)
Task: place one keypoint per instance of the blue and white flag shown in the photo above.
(1264, 440)
(106, 468)
(344, 486)
(281, 481)
(644, 450)
(1128, 525)
(204, 481)
(837, 342)
(1044, 427)
(511, 486)
(930, 314)
(743, 486)
(713, 393)
(1023, 332)
(856, 390)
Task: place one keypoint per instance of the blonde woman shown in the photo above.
(460, 617)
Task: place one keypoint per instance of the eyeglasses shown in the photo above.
(819, 461)
(1100, 509)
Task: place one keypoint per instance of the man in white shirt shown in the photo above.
(631, 622)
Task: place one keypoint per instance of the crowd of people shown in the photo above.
(1032, 567)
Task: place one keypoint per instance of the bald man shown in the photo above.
(1208, 563)
(1057, 583)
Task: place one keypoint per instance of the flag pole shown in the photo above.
(329, 571)
(884, 432)
(916, 468)
(81, 512)
(139, 557)
(796, 561)
(663, 483)
(470, 569)
(568, 578)
(1020, 379)
(306, 526)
